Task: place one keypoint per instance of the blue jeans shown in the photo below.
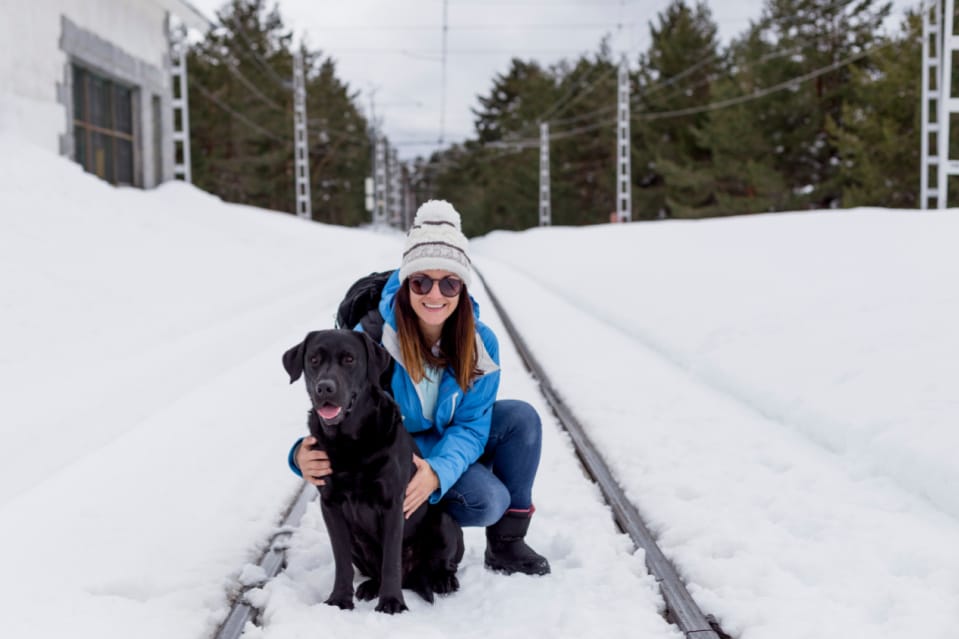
(502, 478)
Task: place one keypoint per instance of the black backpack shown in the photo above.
(360, 305)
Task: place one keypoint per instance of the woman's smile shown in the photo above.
(433, 308)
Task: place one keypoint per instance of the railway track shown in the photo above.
(681, 610)
(272, 562)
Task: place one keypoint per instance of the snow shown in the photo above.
(775, 393)
(779, 532)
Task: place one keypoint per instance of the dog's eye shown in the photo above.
(314, 361)
(348, 359)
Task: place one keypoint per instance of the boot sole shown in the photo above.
(533, 572)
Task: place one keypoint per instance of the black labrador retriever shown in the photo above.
(360, 427)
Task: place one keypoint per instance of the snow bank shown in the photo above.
(838, 325)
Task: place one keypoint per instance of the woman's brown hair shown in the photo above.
(457, 340)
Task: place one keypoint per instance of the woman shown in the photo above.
(480, 455)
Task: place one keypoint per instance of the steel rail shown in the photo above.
(681, 609)
(271, 562)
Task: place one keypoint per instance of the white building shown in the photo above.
(91, 79)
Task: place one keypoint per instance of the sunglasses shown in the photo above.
(423, 284)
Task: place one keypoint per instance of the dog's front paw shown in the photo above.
(343, 601)
(445, 583)
(367, 590)
(391, 605)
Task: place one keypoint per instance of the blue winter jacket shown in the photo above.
(455, 436)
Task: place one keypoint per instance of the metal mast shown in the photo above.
(180, 104)
(409, 200)
(948, 105)
(545, 215)
(379, 181)
(624, 195)
(301, 154)
(393, 172)
(931, 62)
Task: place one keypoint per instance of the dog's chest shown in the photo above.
(362, 489)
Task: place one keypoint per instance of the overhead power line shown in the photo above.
(759, 93)
(658, 85)
(249, 49)
(443, 87)
(471, 27)
(232, 68)
(712, 106)
(543, 3)
(571, 97)
(242, 118)
(772, 55)
(432, 52)
(555, 109)
(240, 30)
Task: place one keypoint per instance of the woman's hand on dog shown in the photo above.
(421, 486)
(314, 464)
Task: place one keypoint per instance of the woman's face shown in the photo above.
(432, 308)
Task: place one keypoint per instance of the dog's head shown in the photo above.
(341, 368)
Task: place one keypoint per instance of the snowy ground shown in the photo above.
(778, 396)
(776, 393)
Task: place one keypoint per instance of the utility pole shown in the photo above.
(368, 194)
(443, 93)
(180, 103)
(377, 189)
(942, 16)
(931, 107)
(393, 171)
(379, 181)
(624, 193)
(545, 215)
(301, 154)
(409, 199)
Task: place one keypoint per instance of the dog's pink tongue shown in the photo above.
(328, 411)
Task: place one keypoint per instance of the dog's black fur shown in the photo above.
(371, 456)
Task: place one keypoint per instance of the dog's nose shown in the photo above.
(325, 387)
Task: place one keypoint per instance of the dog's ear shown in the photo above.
(293, 361)
(377, 359)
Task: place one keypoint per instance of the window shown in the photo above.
(103, 126)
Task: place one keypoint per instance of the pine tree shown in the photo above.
(500, 170)
(830, 38)
(340, 148)
(494, 179)
(671, 159)
(515, 101)
(241, 109)
(878, 141)
(241, 119)
(583, 147)
(744, 154)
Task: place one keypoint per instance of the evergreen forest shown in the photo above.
(814, 106)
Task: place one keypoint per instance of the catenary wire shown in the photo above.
(250, 123)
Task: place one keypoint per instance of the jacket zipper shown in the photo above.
(453, 406)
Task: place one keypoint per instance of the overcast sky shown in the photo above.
(391, 50)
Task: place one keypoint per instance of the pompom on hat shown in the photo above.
(436, 241)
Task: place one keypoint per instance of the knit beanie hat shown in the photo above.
(436, 242)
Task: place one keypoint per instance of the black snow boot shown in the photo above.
(506, 551)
